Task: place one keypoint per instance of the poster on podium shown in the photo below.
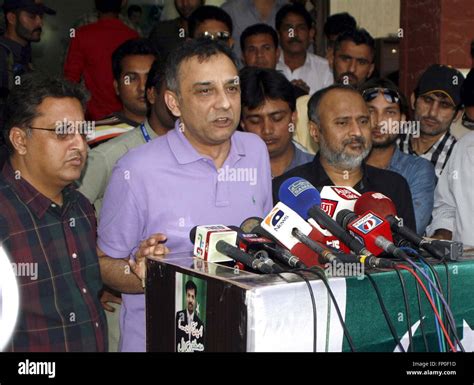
(191, 294)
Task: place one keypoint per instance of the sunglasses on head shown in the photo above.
(222, 36)
(390, 96)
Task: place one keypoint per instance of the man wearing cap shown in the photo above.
(437, 104)
(466, 124)
(388, 110)
(24, 21)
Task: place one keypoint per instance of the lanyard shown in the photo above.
(145, 134)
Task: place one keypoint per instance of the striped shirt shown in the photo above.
(438, 154)
(110, 127)
(54, 251)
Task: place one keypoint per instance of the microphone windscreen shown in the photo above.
(192, 234)
(300, 195)
(249, 224)
(375, 202)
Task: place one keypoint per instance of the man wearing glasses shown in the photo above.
(213, 23)
(46, 224)
(437, 104)
(388, 109)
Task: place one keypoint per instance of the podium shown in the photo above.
(247, 312)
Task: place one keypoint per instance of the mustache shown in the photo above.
(355, 140)
(37, 30)
(76, 154)
(431, 119)
(294, 39)
(348, 74)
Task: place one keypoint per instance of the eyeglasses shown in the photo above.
(390, 96)
(65, 133)
(222, 36)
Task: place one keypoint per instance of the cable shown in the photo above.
(435, 275)
(422, 316)
(385, 313)
(439, 334)
(447, 308)
(441, 342)
(407, 307)
(449, 313)
(432, 304)
(320, 273)
(313, 303)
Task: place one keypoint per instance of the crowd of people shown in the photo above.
(117, 160)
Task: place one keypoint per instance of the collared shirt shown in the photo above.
(454, 194)
(101, 160)
(438, 154)
(386, 182)
(421, 177)
(54, 250)
(166, 186)
(315, 72)
(300, 157)
(244, 14)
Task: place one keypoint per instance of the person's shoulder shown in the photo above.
(127, 140)
(84, 202)
(412, 162)
(301, 171)
(140, 156)
(466, 141)
(385, 178)
(318, 60)
(230, 5)
(249, 140)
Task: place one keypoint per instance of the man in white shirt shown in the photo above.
(453, 214)
(305, 70)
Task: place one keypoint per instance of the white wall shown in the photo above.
(379, 17)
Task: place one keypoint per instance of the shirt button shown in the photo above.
(74, 255)
(53, 205)
(96, 324)
(84, 290)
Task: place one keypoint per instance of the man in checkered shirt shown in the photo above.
(437, 104)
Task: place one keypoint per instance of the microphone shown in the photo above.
(280, 222)
(369, 227)
(303, 197)
(256, 245)
(333, 200)
(205, 238)
(384, 207)
(212, 241)
(254, 262)
(252, 225)
(330, 257)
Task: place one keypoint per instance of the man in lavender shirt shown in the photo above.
(202, 172)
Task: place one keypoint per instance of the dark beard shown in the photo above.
(386, 144)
